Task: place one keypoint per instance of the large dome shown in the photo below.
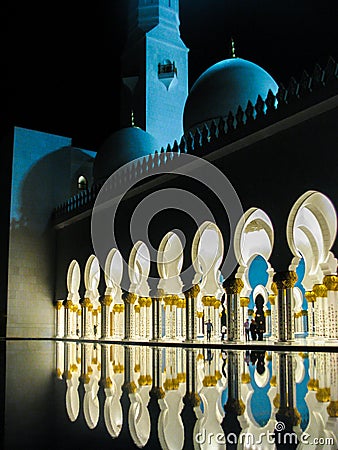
(223, 87)
(121, 147)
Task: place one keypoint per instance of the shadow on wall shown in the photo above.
(52, 180)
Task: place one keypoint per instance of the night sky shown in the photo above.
(64, 59)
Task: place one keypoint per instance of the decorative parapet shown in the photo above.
(209, 137)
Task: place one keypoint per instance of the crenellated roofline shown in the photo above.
(215, 134)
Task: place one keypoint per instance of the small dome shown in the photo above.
(122, 147)
(223, 87)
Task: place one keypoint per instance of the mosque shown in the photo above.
(100, 245)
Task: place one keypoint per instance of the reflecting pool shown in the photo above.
(72, 395)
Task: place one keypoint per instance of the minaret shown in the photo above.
(155, 70)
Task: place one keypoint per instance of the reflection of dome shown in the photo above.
(223, 87)
(120, 148)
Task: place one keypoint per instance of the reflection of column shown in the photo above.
(332, 408)
(105, 301)
(68, 305)
(274, 318)
(331, 283)
(233, 289)
(234, 403)
(190, 296)
(285, 305)
(320, 291)
(58, 319)
(311, 298)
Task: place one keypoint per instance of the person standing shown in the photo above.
(247, 330)
(209, 328)
(223, 331)
(253, 330)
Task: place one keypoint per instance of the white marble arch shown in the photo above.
(91, 407)
(254, 235)
(72, 397)
(92, 278)
(73, 285)
(207, 253)
(138, 269)
(169, 263)
(170, 425)
(311, 232)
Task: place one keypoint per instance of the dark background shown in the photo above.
(63, 69)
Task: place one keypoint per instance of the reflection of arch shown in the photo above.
(72, 400)
(262, 379)
(170, 427)
(113, 415)
(139, 419)
(91, 408)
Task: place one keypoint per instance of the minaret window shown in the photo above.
(82, 183)
(167, 69)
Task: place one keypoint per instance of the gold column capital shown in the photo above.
(58, 304)
(310, 296)
(285, 280)
(86, 303)
(272, 299)
(68, 304)
(323, 395)
(245, 378)
(332, 408)
(320, 290)
(244, 301)
(233, 285)
(157, 392)
(313, 385)
(274, 288)
(192, 398)
(331, 282)
(106, 300)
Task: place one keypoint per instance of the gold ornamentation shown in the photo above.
(276, 400)
(157, 392)
(106, 300)
(323, 395)
(272, 299)
(199, 314)
(273, 381)
(218, 375)
(285, 280)
(130, 387)
(142, 381)
(274, 288)
(131, 298)
(235, 405)
(303, 355)
(148, 302)
(267, 313)
(217, 304)
(118, 368)
(320, 290)
(86, 303)
(331, 282)
(332, 408)
(313, 385)
(137, 368)
(244, 302)
(199, 357)
(246, 378)
(192, 398)
(268, 356)
(233, 286)
(137, 308)
(58, 305)
(68, 304)
(142, 301)
(107, 383)
(195, 290)
(149, 380)
(304, 312)
(310, 296)
(209, 381)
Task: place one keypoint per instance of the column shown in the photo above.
(332, 407)
(320, 291)
(233, 289)
(331, 284)
(155, 317)
(58, 319)
(85, 323)
(68, 306)
(285, 305)
(190, 296)
(148, 318)
(244, 303)
(105, 301)
(311, 298)
(217, 320)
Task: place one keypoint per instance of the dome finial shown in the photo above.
(233, 53)
(132, 118)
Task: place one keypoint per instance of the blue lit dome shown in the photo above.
(121, 147)
(222, 88)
